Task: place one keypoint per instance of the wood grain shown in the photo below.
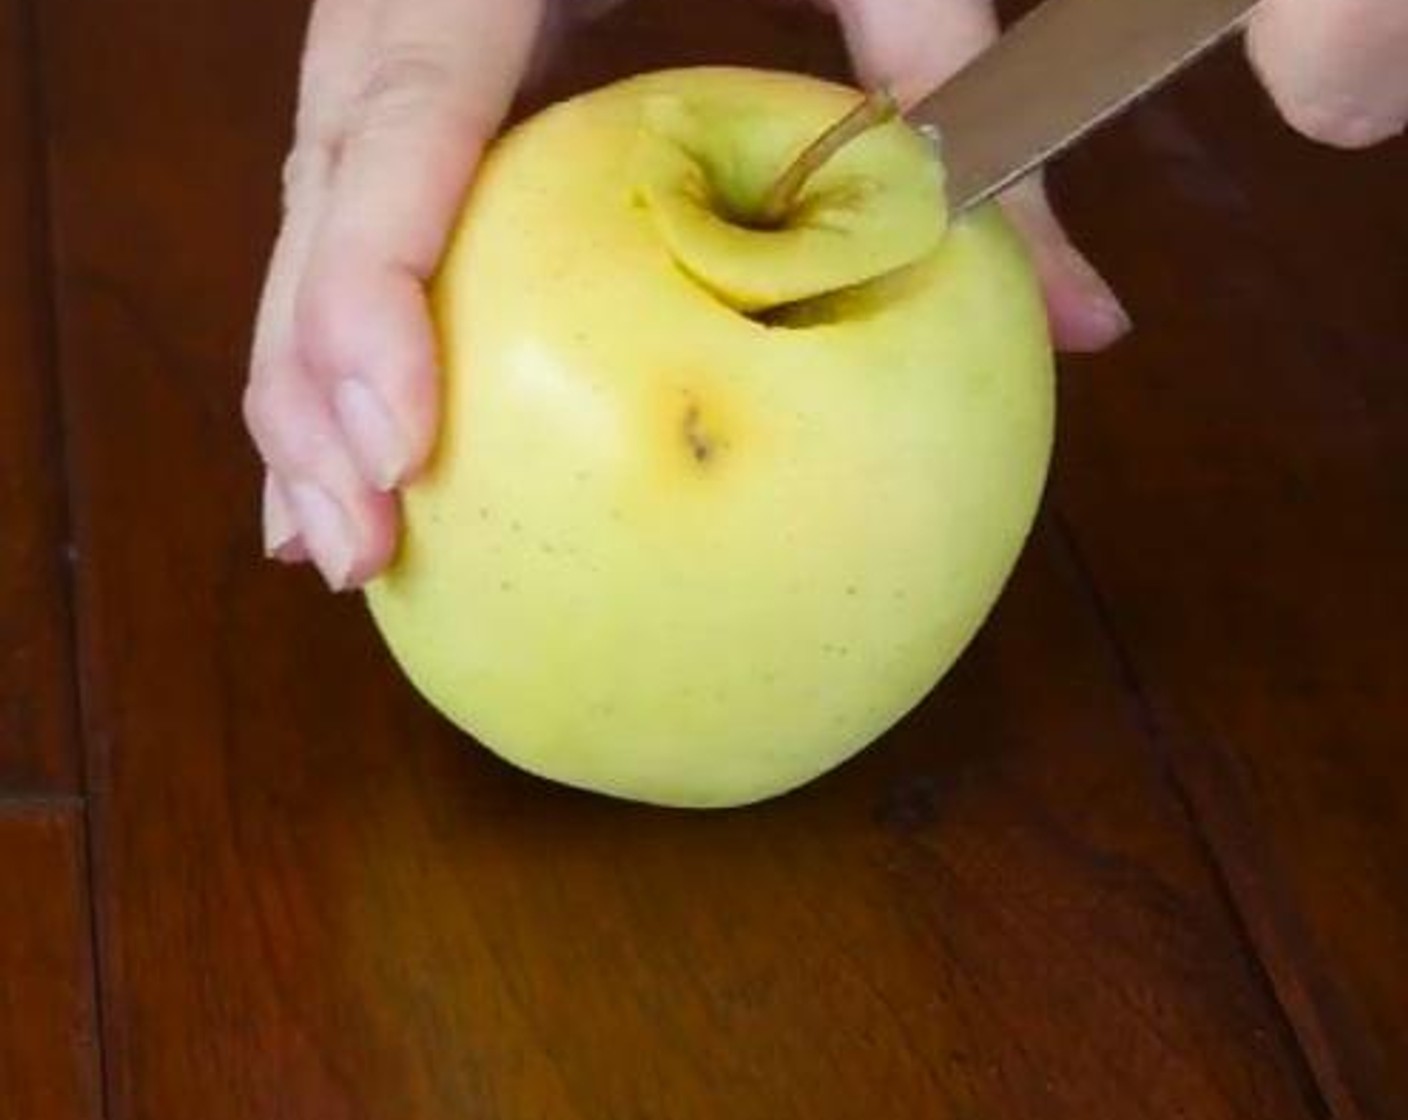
(37, 746)
(48, 1026)
(1236, 479)
(318, 901)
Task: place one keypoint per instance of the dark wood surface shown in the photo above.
(1237, 483)
(1139, 856)
(36, 699)
(49, 1064)
(49, 1031)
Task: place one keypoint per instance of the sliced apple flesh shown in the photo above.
(705, 171)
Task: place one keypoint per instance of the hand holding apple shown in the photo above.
(397, 101)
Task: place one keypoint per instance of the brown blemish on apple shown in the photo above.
(700, 445)
(695, 429)
(699, 433)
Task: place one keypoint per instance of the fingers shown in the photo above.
(1084, 314)
(1337, 69)
(282, 539)
(912, 46)
(314, 502)
(434, 86)
(398, 99)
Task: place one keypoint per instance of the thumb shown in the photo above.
(398, 100)
(1338, 72)
(912, 46)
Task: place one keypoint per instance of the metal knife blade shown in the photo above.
(1057, 73)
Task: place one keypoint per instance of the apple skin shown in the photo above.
(674, 548)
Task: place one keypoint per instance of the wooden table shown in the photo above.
(1142, 854)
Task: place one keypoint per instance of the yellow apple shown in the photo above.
(713, 505)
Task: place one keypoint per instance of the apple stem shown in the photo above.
(877, 107)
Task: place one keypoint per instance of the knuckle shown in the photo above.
(401, 82)
(268, 405)
(319, 312)
(305, 170)
(258, 407)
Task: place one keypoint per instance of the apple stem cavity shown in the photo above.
(877, 108)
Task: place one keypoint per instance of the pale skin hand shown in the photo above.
(399, 98)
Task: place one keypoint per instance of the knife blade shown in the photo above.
(1057, 73)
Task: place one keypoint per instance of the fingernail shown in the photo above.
(280, 524)
(381, 449)
(325, 532)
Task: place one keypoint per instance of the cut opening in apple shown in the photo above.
(777, 219)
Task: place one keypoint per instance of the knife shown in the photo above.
(1056, 74)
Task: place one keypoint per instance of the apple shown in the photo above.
(716, 500)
